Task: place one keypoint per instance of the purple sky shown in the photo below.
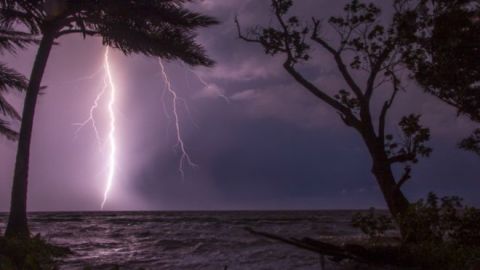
(273, 146)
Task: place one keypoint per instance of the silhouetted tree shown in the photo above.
(365, 46)
(160, 28)
(441, 41)
(10, 79)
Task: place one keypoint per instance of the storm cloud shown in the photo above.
(260, 140)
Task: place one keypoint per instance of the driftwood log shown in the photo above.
(373, 256)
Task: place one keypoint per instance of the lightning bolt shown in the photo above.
(108, 84)
(110, 87)
(207, 85)
(184, 156)
(111, 133)
(91, 117)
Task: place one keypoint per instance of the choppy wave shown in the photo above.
(187, 240)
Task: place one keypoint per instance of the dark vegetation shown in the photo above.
(450, 235)
(372, 224)
(441, 41)
(10, 41)
(33, 253)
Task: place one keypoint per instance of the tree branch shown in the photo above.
(288, 50)
(376, 68)
(316, 38)
(405, 177)
(402, 158)
(77, 31)
(346, 112)
(338, 60)
(243, 37)
(386, 107)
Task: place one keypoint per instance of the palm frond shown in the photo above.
(6, 131)
(168, 43)
(10, 40)
(7, 109)
(9, 17)
(155, 13)
(11, 79)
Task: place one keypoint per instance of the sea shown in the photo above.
(191, 239)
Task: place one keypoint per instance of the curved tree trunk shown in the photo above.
(17, 221)
(397, 203)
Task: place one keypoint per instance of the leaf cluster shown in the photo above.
(348, 100)
(472, 143)
(372, 224)
(361, 32)
(413, 144)
(415, 137)
(441, 45)
(276, 41)
(443, 220)
(446, 234)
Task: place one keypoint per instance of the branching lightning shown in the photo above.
(185, 157)
(91, 116)
(109, 90)
(207, 86)
(108, 84)
(111, 133)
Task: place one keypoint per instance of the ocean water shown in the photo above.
(188, 240)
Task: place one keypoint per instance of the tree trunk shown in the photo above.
(17, 221)
(396, 201)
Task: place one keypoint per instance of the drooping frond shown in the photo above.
(154, 28)
(161, 28)
(165, 42)
(7, 109)
(142, 12)
(7, 131)
(28, 13)
(11, 79)
(10, 40)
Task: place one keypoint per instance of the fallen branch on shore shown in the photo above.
(386, 255)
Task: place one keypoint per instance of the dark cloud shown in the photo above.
(272, 145)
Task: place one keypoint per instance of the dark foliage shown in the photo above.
(372, 224)
(441, 46)
(472, 143)
(444, 220)
(33, 253)
(161, 28)
(447, 234)
(10, 79)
